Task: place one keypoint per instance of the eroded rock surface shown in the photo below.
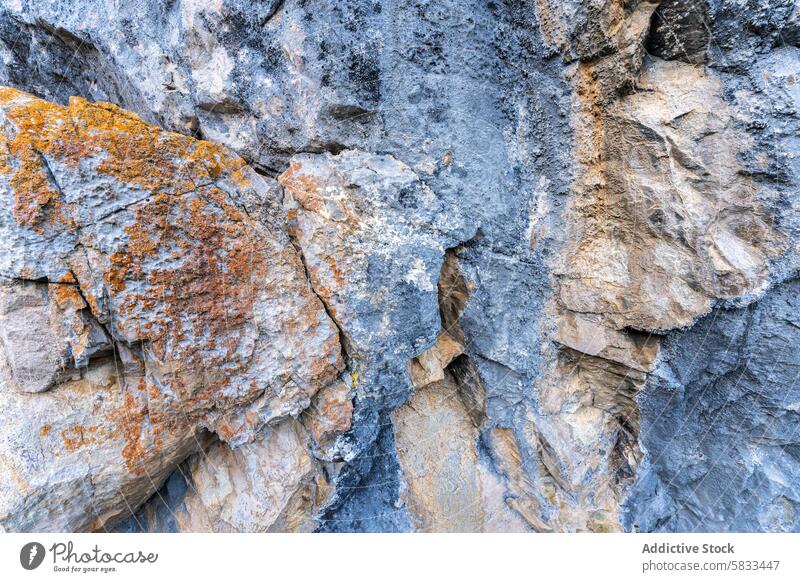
(132, 265)
(437, 266)
(719, 420)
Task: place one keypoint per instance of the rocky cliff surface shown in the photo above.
(372, 265)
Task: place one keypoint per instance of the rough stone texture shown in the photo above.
(273, 484)
(270, 485)
(126, 237)
(720, 421)
(439, 266)
(83, 455)
(449, 486)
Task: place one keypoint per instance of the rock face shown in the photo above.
(399, 266)
(140, 292)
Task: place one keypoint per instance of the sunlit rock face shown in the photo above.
(379, 266)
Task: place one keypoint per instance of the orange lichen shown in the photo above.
(66, 294)
(226, 431)
(36, 198)
(211, 289)
(186, 276)
(78, 435)
(337, 274)
(129, 421)
(124, 146)
(241, 179)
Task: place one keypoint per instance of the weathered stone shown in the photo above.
(175, 263)
(135, 237)
(329, 416)
(36, 353)
(272, 484)
(85, 454)
(587, 334)
(429, 366)
(367, 228)
(735, 376)
(679, 31)
(448, 487)
(523, 218)
(695, 229)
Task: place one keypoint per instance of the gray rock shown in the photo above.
(720, 423)
(539, 206)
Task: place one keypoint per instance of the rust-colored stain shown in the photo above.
(78, 436)
(186, 276)
(45, 429)
(141, 423)
(129, 419)
(335, 272)
(193, 261)
(208, 290)
(304, 188)
(338, 412)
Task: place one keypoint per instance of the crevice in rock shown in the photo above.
(50, 175)
(517, 469)
(453, 293)
(88, 310)
(225, 107)
(371, 481)
(447, 355)
(273, 10)
(39, 281)
(343, 341)
(615, 387)
(283, 157)
(348, 112)
(99, 351)
(266, 172)
(331, 147)
(471, 388)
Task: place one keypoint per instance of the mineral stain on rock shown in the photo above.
(153, 230)
(433, 266)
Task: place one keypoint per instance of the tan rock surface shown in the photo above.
(671, 224)
(448, 487)
(271, 484)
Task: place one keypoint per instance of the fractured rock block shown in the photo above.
(160, 307)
